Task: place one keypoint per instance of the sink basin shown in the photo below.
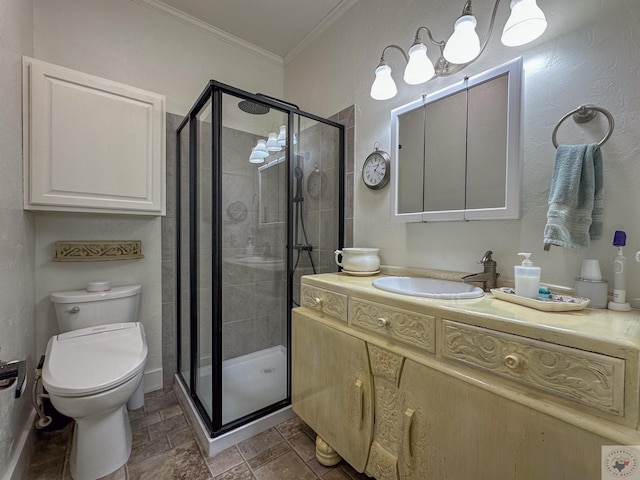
(428, 287)
(256, 259)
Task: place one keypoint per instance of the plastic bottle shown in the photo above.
(527, 278)
(619, 275)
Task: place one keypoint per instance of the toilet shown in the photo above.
(93, 373)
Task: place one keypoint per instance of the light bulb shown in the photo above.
(464, 44)
(282, 136)
(383, 87)
(419, 68)
(526, 23)
(272, 143)
(256, 157)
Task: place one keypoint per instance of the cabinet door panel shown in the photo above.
(331, 386)
(93, 144)
(453, 430)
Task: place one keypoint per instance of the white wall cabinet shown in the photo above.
(91, 144)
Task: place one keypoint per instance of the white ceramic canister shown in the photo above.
(358, 259)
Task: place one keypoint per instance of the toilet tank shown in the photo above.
(79, 309)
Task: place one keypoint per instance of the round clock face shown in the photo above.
(375, 171)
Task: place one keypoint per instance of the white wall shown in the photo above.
(127, 42)
(586, 56)
(16, 229)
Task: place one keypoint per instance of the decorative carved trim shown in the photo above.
(98, 251)
(385, 364)
(330, 303)
(386, 427)
(382, 465)
(409, 327)
(589, 378)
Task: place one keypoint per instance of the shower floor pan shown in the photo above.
(249, 383)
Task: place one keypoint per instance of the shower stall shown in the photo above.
(260, 202)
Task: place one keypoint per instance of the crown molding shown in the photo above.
(326, 22)
(176, 14)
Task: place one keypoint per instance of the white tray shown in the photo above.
(557, 303)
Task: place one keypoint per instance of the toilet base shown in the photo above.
(101, 444)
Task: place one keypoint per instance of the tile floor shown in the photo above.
(164, 447)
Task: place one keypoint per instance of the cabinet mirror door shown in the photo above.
(456, 152)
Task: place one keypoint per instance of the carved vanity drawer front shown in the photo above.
(408, 327)
(585, 377)
(325, 301)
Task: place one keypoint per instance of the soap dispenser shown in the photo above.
(527, 278)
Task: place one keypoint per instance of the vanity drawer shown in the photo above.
(324, 301)
(587, 378)
(415, 329)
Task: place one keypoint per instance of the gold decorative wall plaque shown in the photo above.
(97, 251)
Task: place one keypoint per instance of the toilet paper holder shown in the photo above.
(11, 373)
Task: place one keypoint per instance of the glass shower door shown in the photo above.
(254, 238)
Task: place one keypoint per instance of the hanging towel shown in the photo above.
(576, 199)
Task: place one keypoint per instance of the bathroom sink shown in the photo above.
(428, 287)
(257, 259)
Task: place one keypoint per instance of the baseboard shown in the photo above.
(17, 468)
(153, 380)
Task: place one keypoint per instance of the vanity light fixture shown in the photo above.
(256, 157)
(272, 143)
(526, 23)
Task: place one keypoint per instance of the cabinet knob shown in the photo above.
(383, 322)
(317, 300)
(513, 361)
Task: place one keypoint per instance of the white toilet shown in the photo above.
(93, 371)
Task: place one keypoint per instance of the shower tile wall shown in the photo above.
(252, 303)
(320, 214)
(253, 296)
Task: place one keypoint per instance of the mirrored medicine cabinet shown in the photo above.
(456, 152)
(272, 186)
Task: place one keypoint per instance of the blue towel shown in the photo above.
(576, 199)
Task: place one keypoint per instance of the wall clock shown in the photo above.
(376, 169)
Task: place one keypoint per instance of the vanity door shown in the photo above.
(451, 429)
(331, 385)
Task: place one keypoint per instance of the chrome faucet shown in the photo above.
(488, 277)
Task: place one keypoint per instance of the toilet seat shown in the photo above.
(95, 359)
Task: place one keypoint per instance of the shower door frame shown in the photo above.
(214, 92)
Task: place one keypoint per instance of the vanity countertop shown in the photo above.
(611, 332)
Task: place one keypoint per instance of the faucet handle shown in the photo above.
(487, 257)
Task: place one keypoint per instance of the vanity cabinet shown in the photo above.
(90, 144)
(425, 390)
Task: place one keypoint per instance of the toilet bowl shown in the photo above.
(92, 373)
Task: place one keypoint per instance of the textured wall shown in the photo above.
(586, 56)
(127, 42)
(16, 227)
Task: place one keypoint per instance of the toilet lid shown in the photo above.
(94, 359)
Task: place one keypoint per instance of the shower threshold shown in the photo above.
(258, 376)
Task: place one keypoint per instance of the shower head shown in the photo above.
(252, 107)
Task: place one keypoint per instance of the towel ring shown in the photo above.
(584, 114)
